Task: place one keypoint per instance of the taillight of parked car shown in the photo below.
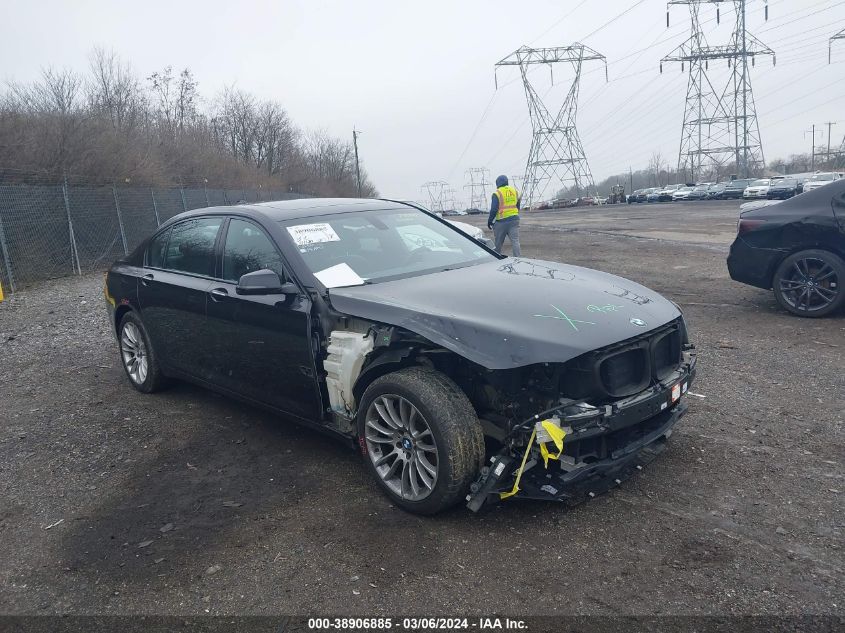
(745, 225)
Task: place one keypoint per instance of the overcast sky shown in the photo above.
(417, 78)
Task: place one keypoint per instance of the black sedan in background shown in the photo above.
(796, 248)
(447, 364)
(734, 189)
(783, 189)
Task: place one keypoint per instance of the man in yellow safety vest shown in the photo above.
(504, 215)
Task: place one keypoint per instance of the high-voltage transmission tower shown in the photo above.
(556, 152)
(720, 119)
(478, 186)
(435, 193)
(450, 202)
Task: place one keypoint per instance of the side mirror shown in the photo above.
(264, 282)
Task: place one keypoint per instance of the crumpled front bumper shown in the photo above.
(602, 447)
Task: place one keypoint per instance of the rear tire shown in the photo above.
(809, 283)
(421, 439)
(137, 356)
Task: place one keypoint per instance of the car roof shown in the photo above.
(309, 207)
(280, 210)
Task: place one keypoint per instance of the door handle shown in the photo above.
(218, 293)
(146, 278)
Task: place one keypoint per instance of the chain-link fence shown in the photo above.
(49, 231)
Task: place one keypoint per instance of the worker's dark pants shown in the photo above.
(507, 228)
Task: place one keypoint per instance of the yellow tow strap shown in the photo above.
(515, 489)
(557, 434)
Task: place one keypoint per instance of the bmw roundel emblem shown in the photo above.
(638, 322)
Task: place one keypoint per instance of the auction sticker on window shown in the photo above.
(304, 234)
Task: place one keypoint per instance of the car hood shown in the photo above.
(512, 312)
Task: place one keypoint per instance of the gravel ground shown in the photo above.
(184, 502)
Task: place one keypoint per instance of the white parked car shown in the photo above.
(682, 193)
(473, 231)
(757, 189)
(821, 179)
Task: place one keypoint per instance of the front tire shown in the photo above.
(421, 438)
(809, 283)
(137, 356)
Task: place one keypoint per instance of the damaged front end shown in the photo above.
(576, 450)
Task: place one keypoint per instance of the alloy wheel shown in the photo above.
(810, 284)
(134, 353)
(401, 447)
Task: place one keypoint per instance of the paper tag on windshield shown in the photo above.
(339, 275)
(304, 234)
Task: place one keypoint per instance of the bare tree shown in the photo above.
(175, 100)
(55, 117)
(110, 126)
(114, 91)
(654, 165)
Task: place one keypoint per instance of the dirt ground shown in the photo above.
(113, 502)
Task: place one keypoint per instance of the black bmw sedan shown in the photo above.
(796, 248)
(783, 189)
(457, 372)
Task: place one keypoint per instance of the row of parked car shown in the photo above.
(775, 188)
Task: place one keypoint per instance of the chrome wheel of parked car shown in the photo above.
(421, 439)
(137, 355)
(809, 283)
(134, 353)
(401, 447)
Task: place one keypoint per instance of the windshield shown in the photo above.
(760, 183)
(348, 249)
(822, 177)
(786, 182)
(686, 189)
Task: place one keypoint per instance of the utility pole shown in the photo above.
(355, 134)
(630, 179)
(812, 146)
(720, 120)
(838, 36)
(556, 152)
(829, 124)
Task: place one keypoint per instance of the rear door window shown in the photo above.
(156, 249)
(191, 246)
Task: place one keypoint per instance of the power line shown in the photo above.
(613, 19)
(472, 136)
(552, 27)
